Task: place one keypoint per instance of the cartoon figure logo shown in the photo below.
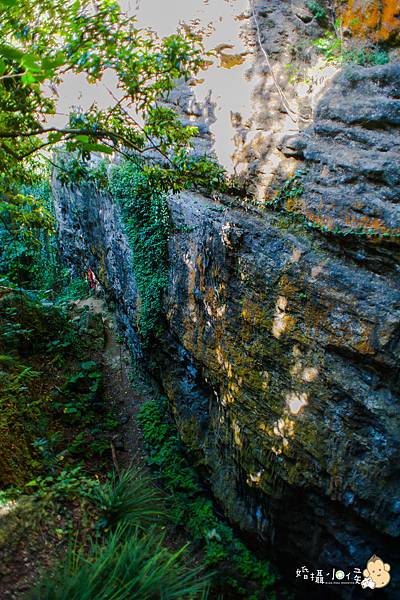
(376, 574)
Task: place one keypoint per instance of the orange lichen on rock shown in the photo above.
(368, 226)
(378, 20)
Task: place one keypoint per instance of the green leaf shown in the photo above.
(98, 148)
(28, 78)
(84, 139)
(31, 483)
(10, 52)
(54, 62)
(29, 61)
(70, 410)
(88, 365)
(55, 136)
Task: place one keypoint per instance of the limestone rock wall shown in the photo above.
(91, 237)
(282, 366)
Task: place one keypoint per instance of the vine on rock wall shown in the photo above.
(147, 223)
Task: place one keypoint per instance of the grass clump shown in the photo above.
(124, 567)
(130, 497)
(129, 557)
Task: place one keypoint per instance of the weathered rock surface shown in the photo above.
(91, 237)
(300, 350)
(379, 19)
(352, 153)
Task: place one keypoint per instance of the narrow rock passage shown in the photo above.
(125, 386)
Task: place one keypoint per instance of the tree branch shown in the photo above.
(149, 138)
(70, 133)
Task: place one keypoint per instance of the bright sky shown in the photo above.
(217, 17)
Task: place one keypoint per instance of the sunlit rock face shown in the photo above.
(282, 367)
(246, 101)
(268, 99)
(281, 357)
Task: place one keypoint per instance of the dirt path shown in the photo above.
(123, 392)
(124, 388)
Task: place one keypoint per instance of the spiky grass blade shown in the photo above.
(129, 565)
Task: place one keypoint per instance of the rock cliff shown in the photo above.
(281, 357)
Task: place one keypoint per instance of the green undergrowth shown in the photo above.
(335, 50)
(113, 546)
(239, 574)
(125, 555)
(52, 410)
(338, 49)
(127, 565)
(101, 533)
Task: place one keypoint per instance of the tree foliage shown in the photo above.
(28, 255)
(42, 41)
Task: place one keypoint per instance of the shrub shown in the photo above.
(365, 56)
(336, 49)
